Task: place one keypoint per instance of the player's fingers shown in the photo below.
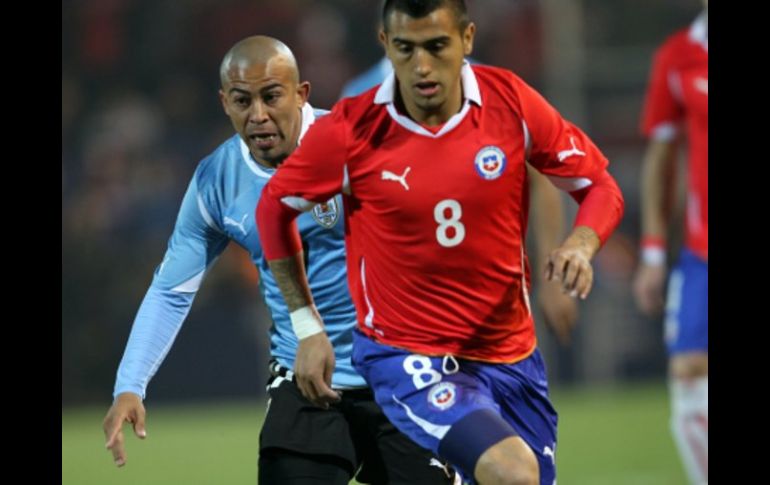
(325, 394)
(329, 396)
(586, 281)
(139, 428)
(316, 395)
(334, 396)
(548, 272)
(558, 261)
(118, 451)
(570, 276)
(648, 294)
(112, 426)
(304, 388)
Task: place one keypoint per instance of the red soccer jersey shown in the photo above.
(678, 94)
(436, 222)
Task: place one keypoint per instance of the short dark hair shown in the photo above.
(420, 8)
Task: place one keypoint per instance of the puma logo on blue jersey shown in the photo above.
(237, 224)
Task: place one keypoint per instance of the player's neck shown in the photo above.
(264, 163)
(431, 117)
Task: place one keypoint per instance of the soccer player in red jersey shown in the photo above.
(432, 165)
(677, 101)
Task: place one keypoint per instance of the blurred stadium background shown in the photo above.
(140, 109)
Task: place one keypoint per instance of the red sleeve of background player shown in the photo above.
(571, 161)
(661, 108)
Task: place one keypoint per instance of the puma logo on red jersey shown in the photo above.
(572, 151)
(388, 175)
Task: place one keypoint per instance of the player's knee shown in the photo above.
(687, 366)
(510, 462)
(504, 474)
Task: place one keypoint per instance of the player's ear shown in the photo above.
(303, 92)
(383, 39)
(223, 100)
(468, 35)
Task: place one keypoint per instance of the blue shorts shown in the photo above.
(459, 408)
(687, 319)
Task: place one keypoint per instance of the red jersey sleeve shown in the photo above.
(555, 146)
(572, 162)
(660, 105)
(314, 172)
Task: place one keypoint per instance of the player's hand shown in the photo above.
(648, 288)
(127, 407)
(559, 310)
(313, 370)
(570, 264)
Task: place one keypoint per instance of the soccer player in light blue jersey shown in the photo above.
(267, 103)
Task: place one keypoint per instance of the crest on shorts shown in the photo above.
(490, 162)
(327, 213)
(442, 395)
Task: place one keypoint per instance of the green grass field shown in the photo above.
(607, 436)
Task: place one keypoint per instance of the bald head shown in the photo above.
(257, 50)
(263, 97)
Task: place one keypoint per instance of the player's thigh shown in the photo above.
(414, 392)
(521, 389)
(441, 407)
(280, 466)
(295, 425)
(389, 456)
(509, 461)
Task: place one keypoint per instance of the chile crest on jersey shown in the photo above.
(490, 162)
(442, 395)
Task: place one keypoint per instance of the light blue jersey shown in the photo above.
(218, 207)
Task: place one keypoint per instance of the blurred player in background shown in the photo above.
(676, 107)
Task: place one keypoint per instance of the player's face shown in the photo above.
(427, 55)
(263, 102)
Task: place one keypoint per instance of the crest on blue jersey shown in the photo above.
(490, 162)
(442, 395)
(327, 213)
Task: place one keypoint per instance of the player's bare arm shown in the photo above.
(570, 264)
(658, 171)
(559, 310)
(658, 175)
(127, 407)
(290, 276)
(314, 364)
